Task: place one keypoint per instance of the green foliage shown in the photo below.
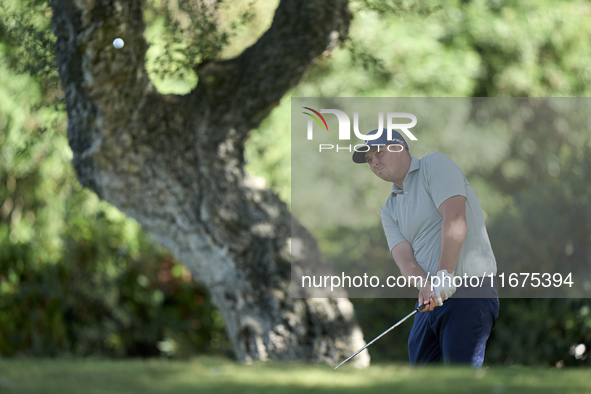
(541, 331)
(112, 293)
(528, 48)
(548, 227)
(266, 152)
(459, 48)
(25, 26)
(398, 8)
(76, 276)
(185, 33)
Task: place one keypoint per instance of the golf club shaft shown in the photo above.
(418, 309)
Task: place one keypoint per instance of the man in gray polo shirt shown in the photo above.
(435, 230)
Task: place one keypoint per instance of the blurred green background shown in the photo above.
(77, 278)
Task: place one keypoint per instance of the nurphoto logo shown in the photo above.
(345, 126)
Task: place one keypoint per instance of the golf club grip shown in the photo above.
(421, 307)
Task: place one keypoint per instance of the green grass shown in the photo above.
(215, 375)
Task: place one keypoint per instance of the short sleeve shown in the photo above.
(444, 178)
(391, 229)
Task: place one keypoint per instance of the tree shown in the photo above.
(175, 164)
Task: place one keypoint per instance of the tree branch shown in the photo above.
(250, 85)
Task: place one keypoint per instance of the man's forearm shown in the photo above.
(453, 233)
(412, 271)
(403, 254)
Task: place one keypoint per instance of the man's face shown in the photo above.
(387, 162)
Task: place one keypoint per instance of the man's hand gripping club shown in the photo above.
(433, 293)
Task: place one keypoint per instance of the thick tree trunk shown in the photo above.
(175, 164)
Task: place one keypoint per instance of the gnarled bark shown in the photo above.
(175, 164)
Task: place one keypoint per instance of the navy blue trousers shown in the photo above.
(456, 332)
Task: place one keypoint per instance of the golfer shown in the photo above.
(435, 231)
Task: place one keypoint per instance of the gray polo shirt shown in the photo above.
(411, 214)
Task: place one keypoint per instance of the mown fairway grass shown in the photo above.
(216, 375)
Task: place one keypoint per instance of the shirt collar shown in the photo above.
(414, 166)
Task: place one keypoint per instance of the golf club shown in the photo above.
(418, 309)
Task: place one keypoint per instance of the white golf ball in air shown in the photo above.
(118, 43)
